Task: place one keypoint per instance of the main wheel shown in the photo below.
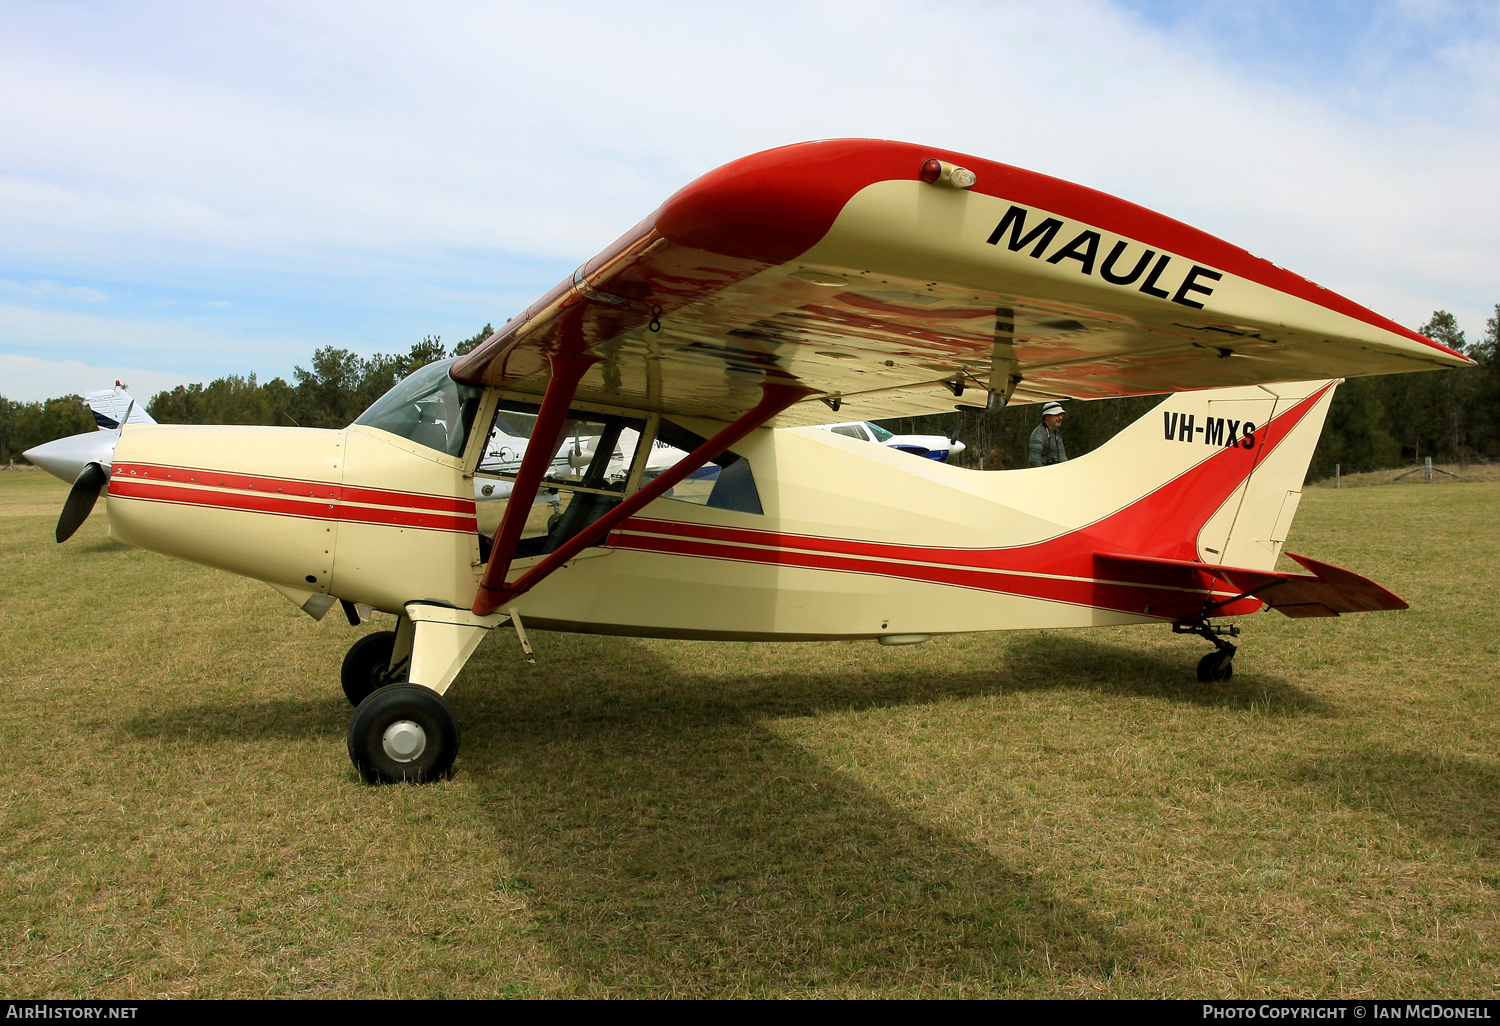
(365, 665)
(403, 732)
(1216, 666)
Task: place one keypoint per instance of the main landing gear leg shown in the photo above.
(1218, 664)
(406, 730)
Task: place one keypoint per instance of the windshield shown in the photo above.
(428, 407)
(881, 434)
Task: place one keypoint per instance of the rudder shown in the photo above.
(1252, 525)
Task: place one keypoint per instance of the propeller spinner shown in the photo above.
(84, 461)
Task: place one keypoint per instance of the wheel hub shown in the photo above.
(404, 741)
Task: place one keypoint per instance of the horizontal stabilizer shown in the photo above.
(1206, 589)
(1335, 589)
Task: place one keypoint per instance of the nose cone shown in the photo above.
(257, 501)
(65, 458)
(955, 447)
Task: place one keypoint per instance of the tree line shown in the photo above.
(23, 425)
(1374, 423)
(339, 386)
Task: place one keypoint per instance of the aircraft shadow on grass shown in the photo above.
(1055, 660)
(662, 860)
(669, 840)
(1046, 661)
(287, 719)
(105, 545)
(696, 852)
(1448, 797)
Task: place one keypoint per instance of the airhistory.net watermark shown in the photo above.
(66, 1010)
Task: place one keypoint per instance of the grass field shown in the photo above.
(1033, 814)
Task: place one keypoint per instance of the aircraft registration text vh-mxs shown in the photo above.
(857, 278)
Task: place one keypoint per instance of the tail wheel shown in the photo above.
(1216, 666)
(366, 664)
(403, 733)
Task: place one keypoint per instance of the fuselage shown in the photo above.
(852, 540)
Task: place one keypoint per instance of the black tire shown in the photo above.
(1216, 666)
(365, 664)
(391, 714)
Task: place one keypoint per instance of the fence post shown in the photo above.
(1428, 467)
(1338, 475)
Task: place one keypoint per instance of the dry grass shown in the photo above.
(1035, 814)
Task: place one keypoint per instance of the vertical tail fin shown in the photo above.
(112, 406)
(1213, 476)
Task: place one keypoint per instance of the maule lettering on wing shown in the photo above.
(1084, 248)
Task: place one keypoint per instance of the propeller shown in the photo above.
(81, 500)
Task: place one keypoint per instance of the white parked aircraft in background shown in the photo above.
(84, 460)
(932, 447)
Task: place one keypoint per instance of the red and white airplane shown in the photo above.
(872, 279)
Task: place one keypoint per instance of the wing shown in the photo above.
(838, 267)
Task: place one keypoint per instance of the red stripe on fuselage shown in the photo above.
(1167, 603)
(1162, 524)
(208, 477)
(280, 496)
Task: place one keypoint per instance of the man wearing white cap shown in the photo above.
(1046, 440)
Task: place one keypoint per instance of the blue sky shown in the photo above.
(191, 190)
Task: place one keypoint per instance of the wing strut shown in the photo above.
(494, 592)
(568, 368)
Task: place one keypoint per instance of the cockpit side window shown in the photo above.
(577, 461)
(584, 479)
(589, 471)
(428, 407)
(724, 483)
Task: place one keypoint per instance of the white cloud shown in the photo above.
(51, 290)
(44, 347)
(28, 379)
(354, 156)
